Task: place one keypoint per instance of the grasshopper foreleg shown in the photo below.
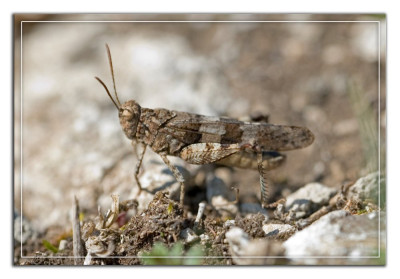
(178, 176)
(138, 165)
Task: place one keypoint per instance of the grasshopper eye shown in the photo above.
(127, 114)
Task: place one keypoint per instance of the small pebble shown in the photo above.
(189, 236)
(62, 245)
(229, 223)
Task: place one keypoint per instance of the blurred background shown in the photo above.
(317, 71)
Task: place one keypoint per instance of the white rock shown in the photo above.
(315, 193)
(278, 230)
(366, 188)
(252, 252)
(336, 234)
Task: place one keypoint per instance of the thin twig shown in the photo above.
(76, 234)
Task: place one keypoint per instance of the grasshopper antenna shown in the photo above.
(112, 73)
(108, 92)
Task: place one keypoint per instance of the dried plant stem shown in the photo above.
(200, 213)
(76, 234)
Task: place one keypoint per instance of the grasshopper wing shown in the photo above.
(191, 128)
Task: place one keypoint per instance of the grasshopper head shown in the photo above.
(129, 115)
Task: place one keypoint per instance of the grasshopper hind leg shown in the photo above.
(264, 186)
(263, 181)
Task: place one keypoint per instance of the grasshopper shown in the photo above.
(199, 139)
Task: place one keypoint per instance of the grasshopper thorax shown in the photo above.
(129, 115)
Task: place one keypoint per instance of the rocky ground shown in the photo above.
(316, 225)
(319, 75)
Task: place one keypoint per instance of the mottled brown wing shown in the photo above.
(192, 128)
